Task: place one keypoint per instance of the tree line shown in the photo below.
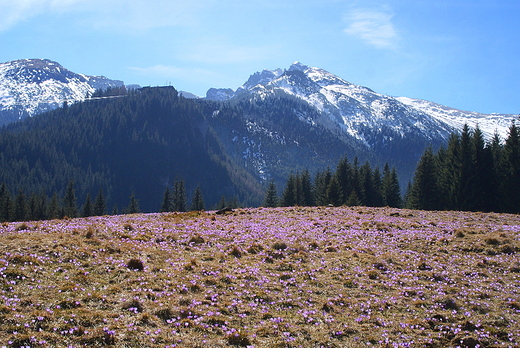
(350, 184)
(34, 207)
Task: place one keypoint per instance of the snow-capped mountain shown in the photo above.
(359, 111)
(488, 123)
(32, 86)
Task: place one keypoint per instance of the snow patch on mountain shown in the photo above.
(32, 86)
(359, 111)
(489, 124)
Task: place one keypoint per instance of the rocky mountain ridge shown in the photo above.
(355, 108)
(32, 86)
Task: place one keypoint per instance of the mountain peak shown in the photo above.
(299, 66)
(262, 78)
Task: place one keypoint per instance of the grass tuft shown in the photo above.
(133, 306)
(236, 252)
(196, 239)
(239, 339)
(135, 265)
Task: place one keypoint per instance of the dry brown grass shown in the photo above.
(285, 277)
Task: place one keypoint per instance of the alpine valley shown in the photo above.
(230, 143)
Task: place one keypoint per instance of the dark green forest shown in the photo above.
(350, 184)
(138, 145)
(151, 150)
(467, 175)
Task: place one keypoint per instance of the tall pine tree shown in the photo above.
(5, 202)
(197, 202)
(424, 192)
(166, 205)
(271, 195)
(179, 196)
(100, 205)
(70, 207)
(133, 206)
(88, 208)
(511, 171)
(289, 197)
(390, 188)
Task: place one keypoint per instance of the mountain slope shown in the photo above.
(488, 123)
(359, 111)
(141, 144)
(32, 86)
(306, 117)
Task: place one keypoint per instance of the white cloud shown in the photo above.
(124, 14)
(373, 26)
(12, 12)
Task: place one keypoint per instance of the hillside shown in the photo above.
(140, 143)
(284, 277)
(328, 115)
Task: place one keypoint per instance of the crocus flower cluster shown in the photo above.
(277, 277)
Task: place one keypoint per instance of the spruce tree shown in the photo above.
(307, 192)
(424, 192)
(54, 207)
(166, 205)
(334, 194)
(377, 187)
(448, 162)
(222, 203)
(368, 192)
(289, 194)
(20, 207)
(344, 177)
(88, 209)
(298, 194)
(4, 203)
(271, 195)
(100, 205)
(511, 171)
(32, 206)
(70, 208)
(179, 196)
(37, 208)
(42, 208)
(321, 184)
(390, 188)
(197, 202)
(466, 193)
(353, 200)
(484, 185)
(356, 178)
(133, 207)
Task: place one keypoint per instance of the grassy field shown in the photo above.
(284, 277)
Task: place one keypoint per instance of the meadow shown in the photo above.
(277, 277)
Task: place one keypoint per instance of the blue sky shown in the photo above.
(460, 53)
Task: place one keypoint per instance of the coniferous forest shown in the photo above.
(152, 150)
(115, 149)
(467, 175)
